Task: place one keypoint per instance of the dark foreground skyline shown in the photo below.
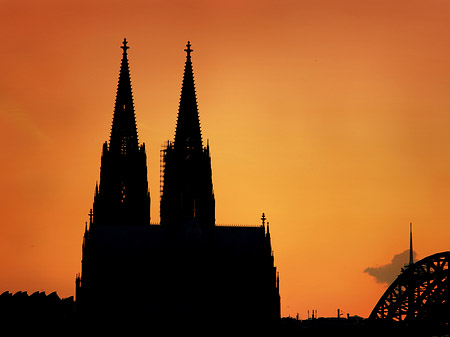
(330, 117)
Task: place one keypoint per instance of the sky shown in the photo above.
(331, 117)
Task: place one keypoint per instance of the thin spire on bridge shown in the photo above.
(411, 255)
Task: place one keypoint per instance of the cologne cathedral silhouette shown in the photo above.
(186, 272)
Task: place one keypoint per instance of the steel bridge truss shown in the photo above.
(420, 292)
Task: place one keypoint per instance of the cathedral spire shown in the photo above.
(124, 136)
(187, 191)
(122, 197)
(188, 133)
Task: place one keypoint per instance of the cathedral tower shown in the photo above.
(123, 197)
(186, 270)
(187, 193)
(110, 267)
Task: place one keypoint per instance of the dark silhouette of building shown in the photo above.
(123, 197)
(188, 190)
(38, 312)
(186, 273)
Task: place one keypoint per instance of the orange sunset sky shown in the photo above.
(332, 117)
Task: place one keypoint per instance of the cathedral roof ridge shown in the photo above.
(239, 225)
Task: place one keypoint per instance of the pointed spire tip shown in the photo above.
(124, 46)
(188, 49)
(411, 252)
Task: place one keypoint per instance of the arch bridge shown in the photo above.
(420, 293)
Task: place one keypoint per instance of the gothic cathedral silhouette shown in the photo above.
(186, 272)
(187, 190)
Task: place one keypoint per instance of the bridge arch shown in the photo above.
(420, 293)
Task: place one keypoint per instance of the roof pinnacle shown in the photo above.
(263, 219)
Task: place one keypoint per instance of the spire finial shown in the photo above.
(188, 50)
(125, 47)
(263, 219)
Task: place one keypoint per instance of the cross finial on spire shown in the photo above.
(125, 47)
(188, 50)
(263, 219)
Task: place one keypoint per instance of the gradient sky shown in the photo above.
(332, 117)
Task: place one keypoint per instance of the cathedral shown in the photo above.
(186, 273)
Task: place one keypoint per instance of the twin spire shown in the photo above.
(123, 196)
(124, 136)
(187, 192)
(187, 185)
(188, 133)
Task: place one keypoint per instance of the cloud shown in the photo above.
(389, 272)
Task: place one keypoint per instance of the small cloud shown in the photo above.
(389, 272)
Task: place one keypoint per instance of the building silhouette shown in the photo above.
(187, 193)
(187, 272)
(123, 197)
(38, 312)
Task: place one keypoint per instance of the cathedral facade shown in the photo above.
(185, 272)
